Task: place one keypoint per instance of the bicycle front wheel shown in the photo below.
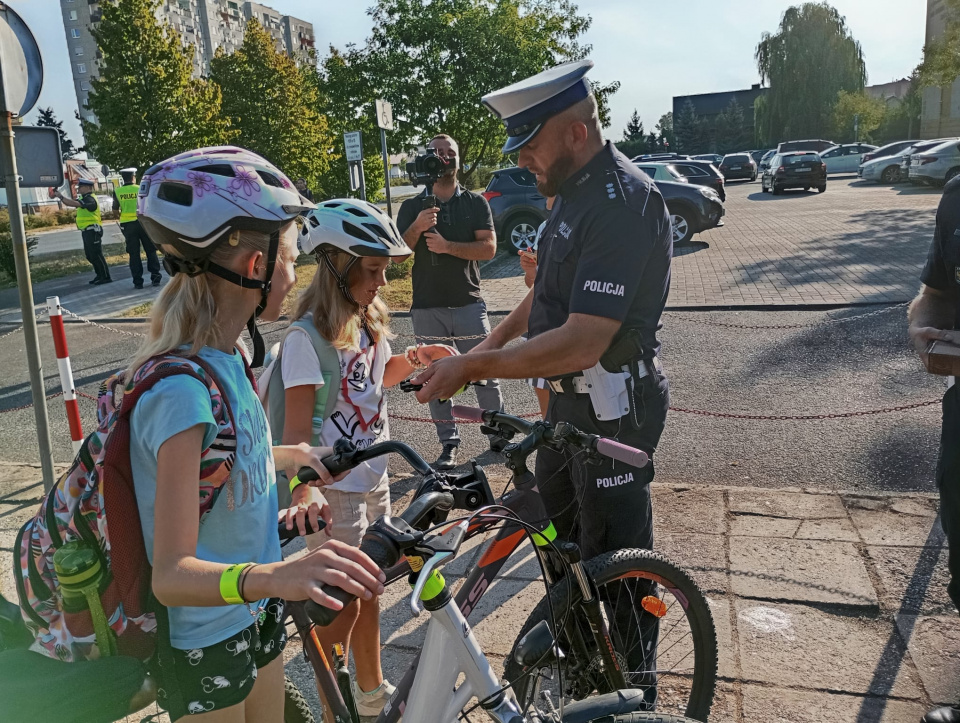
(661, 628)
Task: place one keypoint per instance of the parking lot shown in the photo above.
(858, 243)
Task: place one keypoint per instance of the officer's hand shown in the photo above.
(426, 219)
(921, 336)
(442, 379)
(437, 243)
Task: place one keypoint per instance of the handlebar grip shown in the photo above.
(622, 452)
(471, 414)
(379, 549)
(286, 534)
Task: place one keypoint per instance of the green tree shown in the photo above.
(729, 129)
(857, 110)
(147, 105)
(273, 104)
(48, 119)
(666, 138)
(691, 131)
(941, 57)
(807, 62)
(434, 59)
(634, 141)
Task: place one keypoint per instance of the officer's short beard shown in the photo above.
(558, 172)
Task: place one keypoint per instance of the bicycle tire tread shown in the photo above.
(295, 707)
(707, 653)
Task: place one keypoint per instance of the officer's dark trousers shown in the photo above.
(93, 250)
(136, 237)
(606, 507)
(948, 480)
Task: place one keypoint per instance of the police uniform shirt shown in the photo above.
(88, 201)
(942, 270)
(605, 251)
(444, 280)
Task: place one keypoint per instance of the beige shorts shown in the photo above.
(353, 513)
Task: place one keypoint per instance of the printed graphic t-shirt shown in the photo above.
(242, 526)
(361, 411)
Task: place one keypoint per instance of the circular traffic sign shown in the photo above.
(20, 62)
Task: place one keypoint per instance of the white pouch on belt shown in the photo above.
(608, 392)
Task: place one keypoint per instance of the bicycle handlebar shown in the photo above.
(346, 456)
(382, 549)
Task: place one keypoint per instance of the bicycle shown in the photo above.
(594, 660)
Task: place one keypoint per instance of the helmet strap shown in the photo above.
(340, 277)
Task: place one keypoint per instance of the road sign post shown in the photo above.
(20, 65)
(385, 123)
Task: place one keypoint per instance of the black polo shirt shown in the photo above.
(452, 282)
(605, 251)
(942, 271)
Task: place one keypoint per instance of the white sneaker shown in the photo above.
(370, 704)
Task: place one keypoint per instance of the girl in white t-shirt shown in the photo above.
(354, 243)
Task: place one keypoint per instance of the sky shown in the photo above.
(657, 49)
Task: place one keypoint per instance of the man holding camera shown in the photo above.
(451, 230)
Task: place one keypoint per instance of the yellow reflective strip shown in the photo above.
(81, 577)
(435, 585)
(546, 537)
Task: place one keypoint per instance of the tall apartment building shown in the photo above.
(940, 114)
(205, 24)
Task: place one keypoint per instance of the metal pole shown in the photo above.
(34, 364)
(386, 170)
(363, 182)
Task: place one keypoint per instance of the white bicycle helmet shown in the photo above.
(356, 228)
(194, 201)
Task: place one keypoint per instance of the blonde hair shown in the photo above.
(338, 320)
(186, 312)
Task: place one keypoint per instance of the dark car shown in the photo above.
(702, 173)
(891, 149)
(739, 165)
(518, 207)
(692, 209)
(801, 169)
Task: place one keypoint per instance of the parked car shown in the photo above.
(702, 173)
(908, 154)
(738, 165)
(845, 158)
(692, 209)
(888, 151)
(799, 169)
(713, 158)
(935, 166)
(765, 161)
(659, 157)
(757, 155)
(662, 172)
(518, 207)
(815, 145)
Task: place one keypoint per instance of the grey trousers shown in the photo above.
(444, 325)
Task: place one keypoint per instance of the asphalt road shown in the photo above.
(68, 239)
(856, 365)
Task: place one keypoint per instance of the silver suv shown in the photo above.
(936, 165)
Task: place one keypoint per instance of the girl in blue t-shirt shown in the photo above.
(224, 218)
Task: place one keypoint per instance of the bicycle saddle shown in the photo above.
(36, 688)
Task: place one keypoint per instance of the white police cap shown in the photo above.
(525, 106)
(128, 170)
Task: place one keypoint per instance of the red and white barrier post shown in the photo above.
(66, 373)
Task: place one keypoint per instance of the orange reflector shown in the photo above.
(654, 606)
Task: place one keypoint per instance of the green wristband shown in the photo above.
(295, 482)
(230, 583)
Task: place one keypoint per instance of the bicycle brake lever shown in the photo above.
(426, 572)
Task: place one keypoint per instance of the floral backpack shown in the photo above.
(95, 503)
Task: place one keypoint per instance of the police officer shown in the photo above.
(125, 201)
(935, 315)
(601, 286)
(90, 223)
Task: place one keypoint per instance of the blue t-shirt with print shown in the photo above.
(242, 526)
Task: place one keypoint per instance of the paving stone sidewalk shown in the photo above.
(827, 606)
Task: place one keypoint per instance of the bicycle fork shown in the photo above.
(593, 613)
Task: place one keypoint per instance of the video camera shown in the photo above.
(427, 168)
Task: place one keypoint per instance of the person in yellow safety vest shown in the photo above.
(125, 201)
(91, 229)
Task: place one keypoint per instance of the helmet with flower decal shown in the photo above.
(194, 201)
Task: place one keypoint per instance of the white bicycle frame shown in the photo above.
(450, 649)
